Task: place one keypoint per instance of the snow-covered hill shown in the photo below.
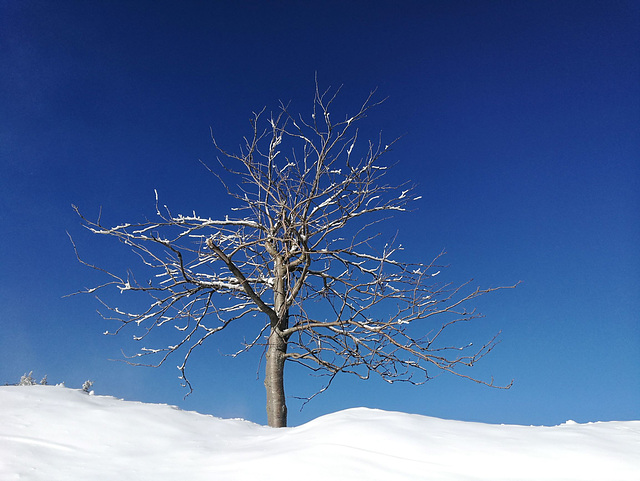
(52, 433)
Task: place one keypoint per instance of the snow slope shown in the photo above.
(52, 433)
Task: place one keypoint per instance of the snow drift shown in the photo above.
(53, 433)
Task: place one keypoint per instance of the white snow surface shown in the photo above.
(54, 433)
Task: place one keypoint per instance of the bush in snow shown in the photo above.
(27, 380)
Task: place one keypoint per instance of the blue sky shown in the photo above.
(520, 123)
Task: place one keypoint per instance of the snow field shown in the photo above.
(51, 433)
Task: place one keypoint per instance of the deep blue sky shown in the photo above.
(520, 122)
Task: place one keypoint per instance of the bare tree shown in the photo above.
(303, 250)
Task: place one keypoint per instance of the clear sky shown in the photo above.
(520, 123)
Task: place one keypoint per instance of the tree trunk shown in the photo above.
(274, 380)
(277, 349)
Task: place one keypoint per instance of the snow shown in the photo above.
(54, 433)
